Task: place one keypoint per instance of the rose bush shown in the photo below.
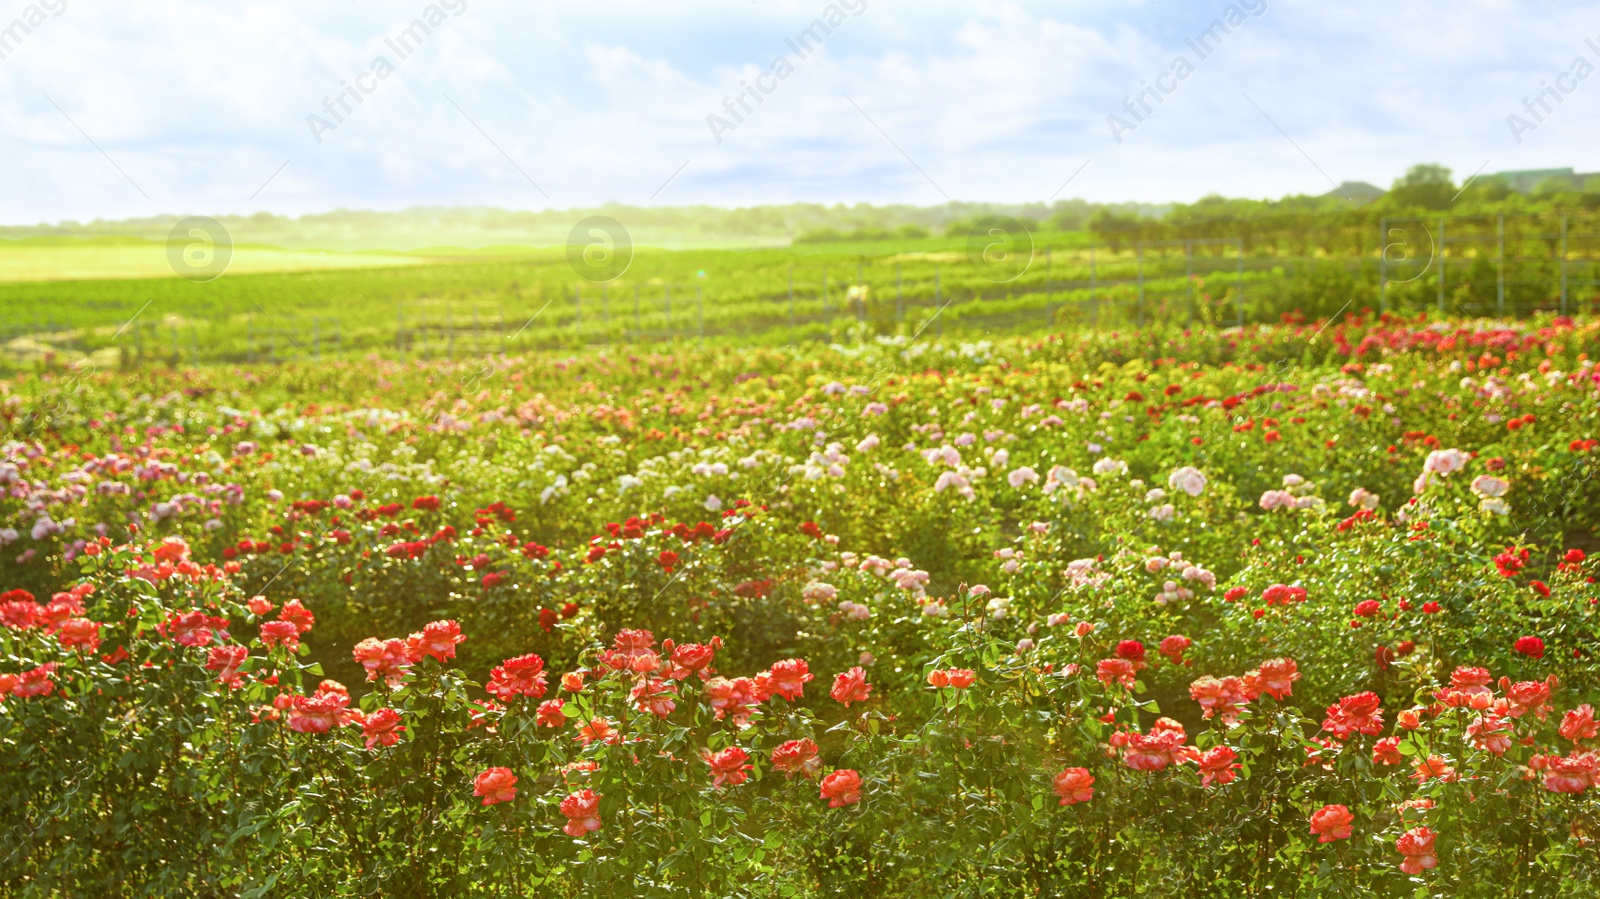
(1298, 609)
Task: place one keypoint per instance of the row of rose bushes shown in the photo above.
(180, 458)
(160, 710)
(1161, 508)
(447, 498)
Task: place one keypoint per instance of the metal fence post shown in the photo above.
(899, 295)
(1139, 309)
(1094, 306)
(1238, 279)
(1049, 293)
(1563, 265)
(1500, 268)
(861, 288)
(1383, 265)
(1188, 275)
(1440, 276)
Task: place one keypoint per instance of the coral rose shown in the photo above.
(582, 810)
(729, 766)
(1074, 785)
(1331, 822)
(495, 785)
(841, 788)
(1417, 847)
(851, 686)
(797, 757)
(437, 640)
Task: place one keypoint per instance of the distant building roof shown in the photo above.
(1525, 180)
(1359, 192)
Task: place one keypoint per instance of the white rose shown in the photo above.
(1188, 479)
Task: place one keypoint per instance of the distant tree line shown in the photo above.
(1341, 222)
(1334, 219)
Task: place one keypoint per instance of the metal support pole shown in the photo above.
(1049, 293)
(1188, 275)
(899, 296)
(1140, 309)
(1440, 275)
(1500, 269)
(861, 296)
(1563, 265)
(861, 290)
(1383, 265)
(1094, 307)
(1238, 279)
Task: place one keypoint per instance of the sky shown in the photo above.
(130, 108)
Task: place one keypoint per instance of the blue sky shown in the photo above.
(139, 107)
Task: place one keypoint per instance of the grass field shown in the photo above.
(115, 299)
(47, 259)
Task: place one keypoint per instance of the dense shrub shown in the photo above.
(1292, 611)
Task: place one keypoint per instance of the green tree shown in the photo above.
(1426, 184)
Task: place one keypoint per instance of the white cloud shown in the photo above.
(199, 104)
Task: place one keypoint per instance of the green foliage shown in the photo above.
(1042, 516)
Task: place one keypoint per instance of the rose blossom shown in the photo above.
(851, 686)
(1417, 847)
(797, 757)
(1331, 822)
(842, 788)
(582, 810)
(1074, 785)
(1188, 479)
